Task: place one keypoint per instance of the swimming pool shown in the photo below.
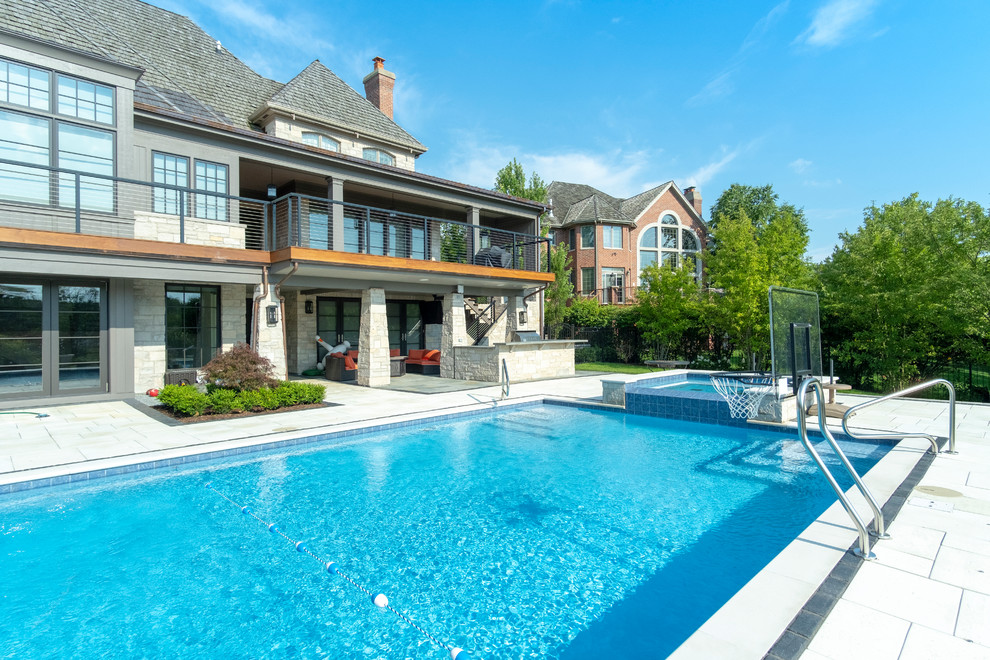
(691, 385)
(539, 531)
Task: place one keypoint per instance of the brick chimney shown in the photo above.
(378, 86)
(694, 197)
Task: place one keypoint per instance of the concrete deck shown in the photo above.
(927, 595)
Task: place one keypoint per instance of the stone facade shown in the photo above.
(271, 340)
(454, 332)
(149, 328)
(215, 233)
(525, 362)
(349, 145)
(373, 365)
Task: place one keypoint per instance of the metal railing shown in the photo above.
(505, 379)
(53, 199)
(900, 436)
(878, 523)
(613, 295)
(485, 320)
(315, 222)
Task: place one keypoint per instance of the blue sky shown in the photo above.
(837, 103)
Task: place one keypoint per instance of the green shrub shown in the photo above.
(239, 369)
(184, 399)
(223, 401)
(263, 399)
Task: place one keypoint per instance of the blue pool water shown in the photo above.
(544, 531)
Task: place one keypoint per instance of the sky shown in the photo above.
(839, 104)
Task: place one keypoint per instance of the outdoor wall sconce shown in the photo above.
(272, 311)
(272, 191)
(523, 318)
(309, 306)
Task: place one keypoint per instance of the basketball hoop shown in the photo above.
(743, 391)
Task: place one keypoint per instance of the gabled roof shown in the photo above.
(579, 204)
(338, 104)
(185, 72)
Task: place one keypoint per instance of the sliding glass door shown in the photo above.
(53, 338)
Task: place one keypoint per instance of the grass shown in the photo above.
(614, 367)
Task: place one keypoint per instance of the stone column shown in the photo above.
(335, 193)
(373, 363)
(454, 331)
(271, 339)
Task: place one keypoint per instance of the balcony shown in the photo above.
(35, 197)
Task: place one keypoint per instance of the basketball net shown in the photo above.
(744, 395)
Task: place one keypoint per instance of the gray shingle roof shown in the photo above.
(578, 204)
(183, 70)
(338, 104)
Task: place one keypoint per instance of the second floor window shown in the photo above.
(588, 236)
(211, 177)
(587, 280)
(379, 156)
(321, 141)
(85, 100)
(172, 171)
(612, 237)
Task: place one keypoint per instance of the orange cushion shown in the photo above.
(416, 354)
(394, 352)
(349, 364)
(353, 354)
(432, 356)
(337, 354)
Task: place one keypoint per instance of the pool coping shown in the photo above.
(776, 614)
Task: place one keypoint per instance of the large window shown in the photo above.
(46, 139)
(211, 177)
(670, 244)
(379, 156)
(588, 236)
(612, 237)
(587, 280)
(173, 171)
(321, 141)
(192, 325)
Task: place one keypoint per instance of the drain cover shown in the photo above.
(930, 504)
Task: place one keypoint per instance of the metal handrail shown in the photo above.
(900, 436)
(878, 523)
(505, 379)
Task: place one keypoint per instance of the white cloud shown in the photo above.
(835, 21)
(707, 172)
(618, 173)
(827, 183)
(722, 85)
(799, 165)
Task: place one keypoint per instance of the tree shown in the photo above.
(909, 291)
(758, 243)
(560, 291)
(741, 309)
(511, 180)
(668, 303)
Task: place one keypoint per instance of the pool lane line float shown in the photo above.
(379, 599)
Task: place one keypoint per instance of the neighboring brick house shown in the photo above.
(613, 239)
(160, 201)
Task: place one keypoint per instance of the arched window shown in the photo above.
(321, 141)
(379, 156)
(669, 243)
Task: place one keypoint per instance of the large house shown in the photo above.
(161, 201)
(611, 240)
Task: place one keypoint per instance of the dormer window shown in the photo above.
(379, 156)
(320, 141)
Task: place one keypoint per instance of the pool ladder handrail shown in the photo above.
(505, 379)
(900, 436)
(878, 523)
